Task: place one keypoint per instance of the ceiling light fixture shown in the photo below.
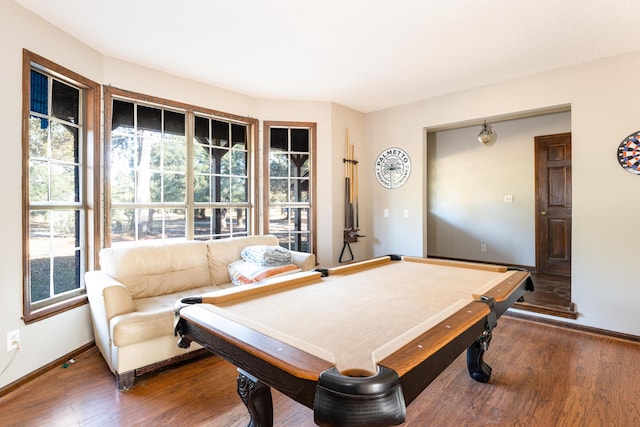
(487, 134)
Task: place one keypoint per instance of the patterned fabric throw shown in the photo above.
(266, 256)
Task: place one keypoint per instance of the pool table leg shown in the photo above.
(478, 369)
(257, 398)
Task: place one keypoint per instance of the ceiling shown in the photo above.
(365, 54)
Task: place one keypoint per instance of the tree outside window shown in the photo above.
(176, 171)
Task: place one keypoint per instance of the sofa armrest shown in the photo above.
(108, 294)
(304, 260)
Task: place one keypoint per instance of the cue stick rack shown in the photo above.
(351, 213)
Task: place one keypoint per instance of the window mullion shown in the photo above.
(190, 178)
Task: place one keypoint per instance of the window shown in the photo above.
(289, 178)
(147, 172)
(175, 171)
(60, 115)
(221, 190)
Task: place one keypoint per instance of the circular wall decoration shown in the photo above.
(393, 167)
(629, 153)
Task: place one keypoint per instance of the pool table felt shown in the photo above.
(351, 319)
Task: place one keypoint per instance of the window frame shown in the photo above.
(89, 181)
(190, 111)
(266, 151)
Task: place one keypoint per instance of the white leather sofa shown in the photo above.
(132, 297)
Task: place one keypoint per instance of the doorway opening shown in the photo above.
(481, 203)
(552, 274)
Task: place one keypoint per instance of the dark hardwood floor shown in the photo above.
(552, 295)
(542, 376)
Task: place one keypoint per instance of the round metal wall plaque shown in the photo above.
(393, 167)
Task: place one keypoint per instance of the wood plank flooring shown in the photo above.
(542, 376)
(551, 295)
(550, 289)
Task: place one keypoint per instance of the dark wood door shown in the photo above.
(553, 203)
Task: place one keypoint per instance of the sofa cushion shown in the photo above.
(157, 268)
(224, 251)
(153, 317)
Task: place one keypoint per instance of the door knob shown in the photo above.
(543, 212)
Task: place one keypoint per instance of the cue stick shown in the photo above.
(357, 213)
(354, 187)
(348, 209)
(351, 156)
(351, 186)
(351, 194)
(347, 165)
(347, 205)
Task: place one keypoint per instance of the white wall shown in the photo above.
(466, 185)
(396, 234)
(603, 98)
(49, 339)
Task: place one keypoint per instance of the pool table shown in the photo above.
(356, 343)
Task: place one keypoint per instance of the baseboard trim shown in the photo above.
(59, 361)
(572, 326)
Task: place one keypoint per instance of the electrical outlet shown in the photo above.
(483, 248)
(13, 340)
